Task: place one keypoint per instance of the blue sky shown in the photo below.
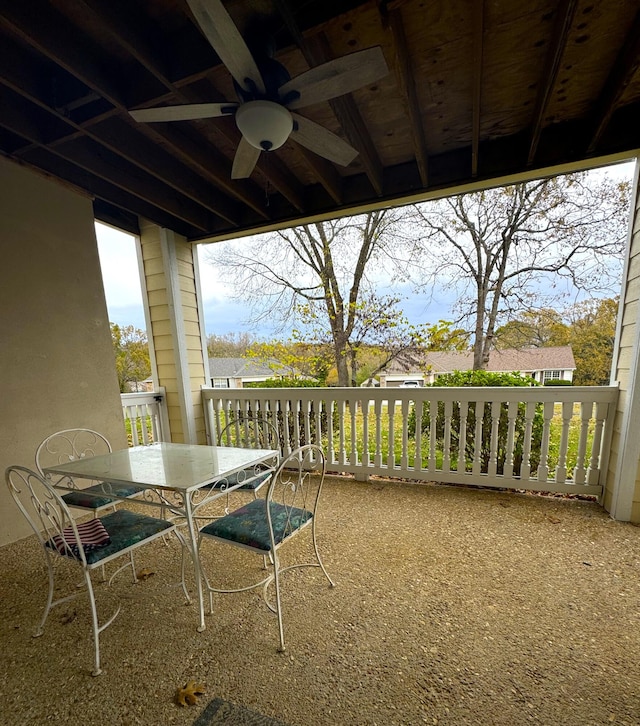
(222, 315)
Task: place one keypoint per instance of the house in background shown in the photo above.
(541, 364)
(236, 372)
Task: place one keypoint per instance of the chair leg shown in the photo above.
(94, 621)
(317, 551)
(97, 628)
(183, 547)
(276, 580)
(47, 608)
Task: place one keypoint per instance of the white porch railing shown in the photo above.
(145, 417)
(552, 439)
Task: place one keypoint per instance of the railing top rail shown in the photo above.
(555, 394)
(141, 397)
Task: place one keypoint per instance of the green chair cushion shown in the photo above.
(248, 525)
(94, 497)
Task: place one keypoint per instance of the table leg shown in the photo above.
(195, 556)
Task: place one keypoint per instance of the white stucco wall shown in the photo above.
(56, 360)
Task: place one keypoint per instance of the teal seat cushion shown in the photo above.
(248, 525)
(240, 476)
(95, 497)
(125, 528)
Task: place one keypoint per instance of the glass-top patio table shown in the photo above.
(177, 473)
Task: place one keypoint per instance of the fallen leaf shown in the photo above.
(189, 693)
(68, 617)
(145, 574)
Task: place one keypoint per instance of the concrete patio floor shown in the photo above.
(452, 606)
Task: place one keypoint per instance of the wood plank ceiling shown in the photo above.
(476, 89)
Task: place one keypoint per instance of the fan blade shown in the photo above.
(184, 113)
(336, 77)
(245, 160)
(322, 142)
(225, 38)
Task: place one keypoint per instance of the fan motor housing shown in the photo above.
(266, 125)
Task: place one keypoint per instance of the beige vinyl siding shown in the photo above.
(626, 357)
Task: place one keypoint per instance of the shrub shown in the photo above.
(557, 382)
(284, 383)
(483, 378)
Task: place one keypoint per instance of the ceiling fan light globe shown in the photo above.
(266, 125)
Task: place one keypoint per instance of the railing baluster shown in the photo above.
(543, 467)
(567, 415)
(377, 457)
(593, 473)
(477, 439)
(462, 436)
(492, 468)
(341, 431)
(433, 433)
(330, 448)
(418, 410)
(529, 414)
(404, 455)
(512, 413)
(391, 454)
(446, 451)
(365, 432)
(353, 454)
(580, 470)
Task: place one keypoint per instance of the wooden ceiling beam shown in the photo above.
(316, 51)
(41, 26)
(56, 51)
(623, 71)
(112, 168)
(323, 169)
(407, 83)
(563, 22)
(129, 178)
(476, 98)
(22, 78)
(120, 138)
(121, 28)
(43, 160)
(325, 172)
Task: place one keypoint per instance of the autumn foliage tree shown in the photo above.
(589, 327)
(229, 345)
(592, 333)
(132, 355)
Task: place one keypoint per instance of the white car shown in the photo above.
(410, 384)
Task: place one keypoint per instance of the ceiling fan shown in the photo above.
(268, 96)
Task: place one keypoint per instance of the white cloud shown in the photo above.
(119, 264)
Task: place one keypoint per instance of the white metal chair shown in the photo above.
(248, 432)
(69, 445)
(263, 526)
(89, 545)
